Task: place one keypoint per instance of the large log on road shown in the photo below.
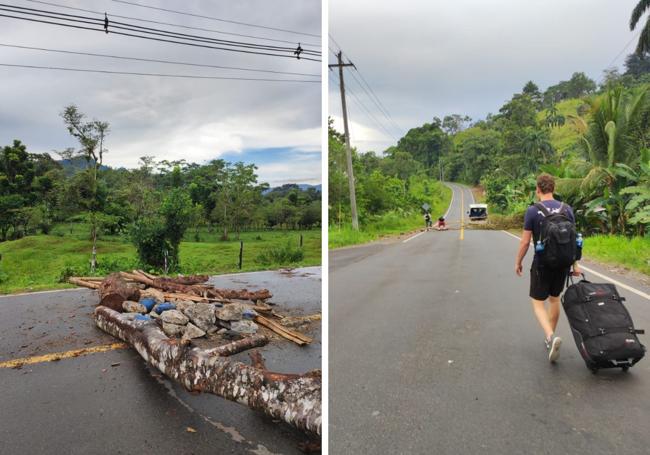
(295, 399)
(114, 290)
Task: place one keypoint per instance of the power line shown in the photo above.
(381, 105)
(217, 19)
(147, 30)
(155, 39)
(366, 111)
(140, 59)
(369, 93)
(101, 13)
(625, 48)
(375, 102)
(128, 73)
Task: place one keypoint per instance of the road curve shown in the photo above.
(434, 349)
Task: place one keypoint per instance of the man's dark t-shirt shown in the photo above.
(534, 216)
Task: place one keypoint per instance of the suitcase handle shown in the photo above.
(569, 278)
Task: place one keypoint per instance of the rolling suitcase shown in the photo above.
(601, 325)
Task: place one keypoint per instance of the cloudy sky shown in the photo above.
(431, 58)
(274, 124)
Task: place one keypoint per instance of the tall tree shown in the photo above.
(91, 136)
(643, 44)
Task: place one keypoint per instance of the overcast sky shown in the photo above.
(276, 124)
(431, 58)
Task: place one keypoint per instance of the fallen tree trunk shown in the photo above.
(295, 399)
(114, 290)
(84, 283)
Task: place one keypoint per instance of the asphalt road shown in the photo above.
(84, 405)
(434, 349)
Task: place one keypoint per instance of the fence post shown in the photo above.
(300, 240)
(241, 253)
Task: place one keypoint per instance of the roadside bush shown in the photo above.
(72, 270)
(282, 255)
(150, 241)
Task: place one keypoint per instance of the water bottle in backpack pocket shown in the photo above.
(558, 238)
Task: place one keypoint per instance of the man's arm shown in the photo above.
(523, 249)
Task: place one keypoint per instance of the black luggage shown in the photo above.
(602, 326)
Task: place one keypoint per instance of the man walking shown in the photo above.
(551, 224)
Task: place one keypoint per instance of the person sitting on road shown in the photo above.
(545, 282)
(441, 225)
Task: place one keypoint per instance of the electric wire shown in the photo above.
(171, 62)
(171, 24)
(158, 39)
(142, 29)
(369, 93)
(216, 18)
(366, 111)
(133, 73)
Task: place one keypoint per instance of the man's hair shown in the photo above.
(546, 183)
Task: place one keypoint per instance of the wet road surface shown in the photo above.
(434, 349)
(84, 405)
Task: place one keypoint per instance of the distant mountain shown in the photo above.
(306, 186)
(76, 164)
(289, 186)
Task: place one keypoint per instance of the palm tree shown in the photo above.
(613, 141)
(536, 145)
(643, 44)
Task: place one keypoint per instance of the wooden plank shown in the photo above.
(292, 335)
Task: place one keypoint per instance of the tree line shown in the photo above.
(154, 204)
(598, 149)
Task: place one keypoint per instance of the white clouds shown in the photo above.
(426, 59)
(169, 118)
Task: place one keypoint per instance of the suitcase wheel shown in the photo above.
(625, 369)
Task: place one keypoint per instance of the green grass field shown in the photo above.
(632, 253)
(391, 223)
(37, 262)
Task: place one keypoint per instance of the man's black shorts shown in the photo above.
(546, 282)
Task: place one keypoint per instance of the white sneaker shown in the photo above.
(554, 349)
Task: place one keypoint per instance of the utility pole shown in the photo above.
(353, 197)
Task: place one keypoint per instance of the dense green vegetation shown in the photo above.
(594, 138)
(390, 190)
(39, 262)
(98, 216)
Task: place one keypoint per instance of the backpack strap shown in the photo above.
(542, 208)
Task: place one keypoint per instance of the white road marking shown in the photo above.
(451, 203)
(22, 294)
(600, 275)
(413, 236)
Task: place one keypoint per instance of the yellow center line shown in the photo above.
(462, 214)
(17, 363)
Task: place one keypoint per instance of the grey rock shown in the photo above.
(133, 307)
(243, 326)
(231, 312)
(174, 317)
(192, 331)
(202, 315)
(182, 306)
(172, 330)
